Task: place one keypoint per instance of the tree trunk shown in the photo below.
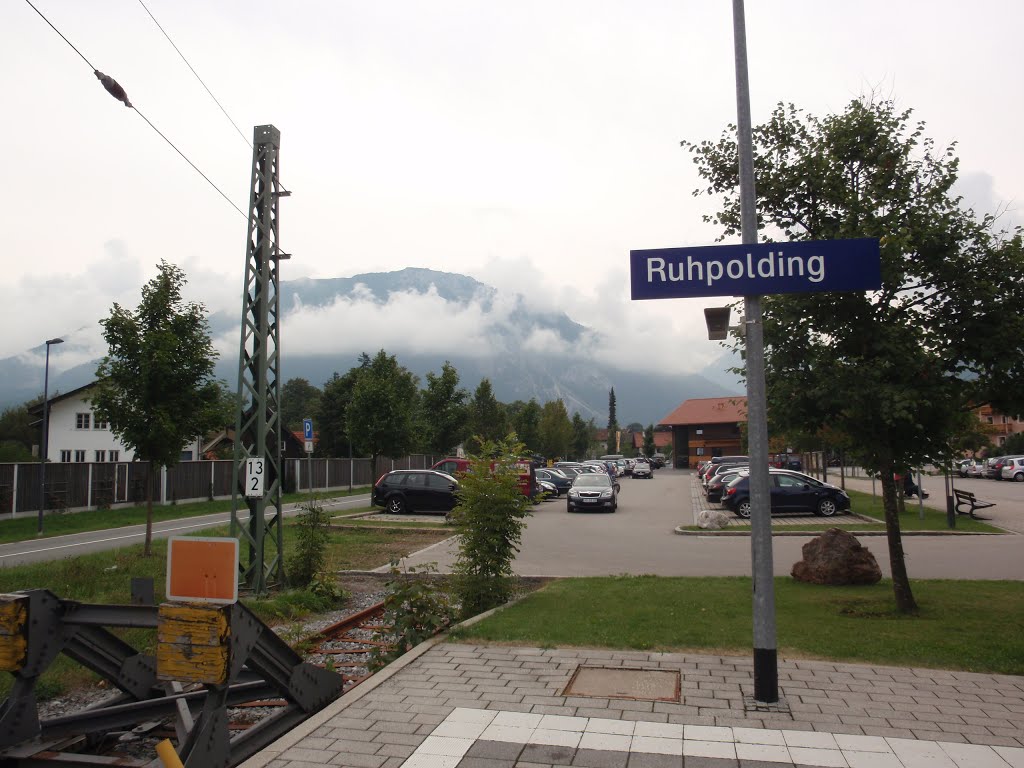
(147, 549)
(900, 581)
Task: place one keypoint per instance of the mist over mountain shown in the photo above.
(425, 317)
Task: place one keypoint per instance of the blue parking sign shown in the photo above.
(307, 429)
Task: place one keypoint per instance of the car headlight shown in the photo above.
(573, 492)
(606, 494)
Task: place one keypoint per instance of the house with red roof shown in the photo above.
(706, 427)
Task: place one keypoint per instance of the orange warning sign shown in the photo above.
(202, 569)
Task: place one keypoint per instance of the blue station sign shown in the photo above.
(756, 270)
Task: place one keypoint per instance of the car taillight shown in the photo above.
(730, 491)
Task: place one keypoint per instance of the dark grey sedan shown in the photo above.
(594, 492)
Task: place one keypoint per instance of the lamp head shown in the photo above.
(54, 341)
(717, 319)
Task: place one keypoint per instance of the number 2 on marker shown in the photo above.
(254, 477)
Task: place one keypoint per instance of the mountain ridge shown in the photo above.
(516, 373)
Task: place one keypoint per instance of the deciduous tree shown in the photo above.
(156, 387)
(331, 419)
(525, 422)
(555, 429)
(895, 369)
(299, 400)
(649, 447)
(444, 411)
(582, 437)
(17, 434)
(382, 409)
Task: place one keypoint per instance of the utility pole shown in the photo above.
(258, 427)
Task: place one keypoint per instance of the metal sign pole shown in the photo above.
(766, 673)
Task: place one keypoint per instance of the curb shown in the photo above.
(681, 531)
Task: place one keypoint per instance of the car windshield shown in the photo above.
(592, 481)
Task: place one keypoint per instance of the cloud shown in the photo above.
(978, 190)
(664, 337)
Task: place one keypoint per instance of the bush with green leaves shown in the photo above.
(489, 518)
(416, 608)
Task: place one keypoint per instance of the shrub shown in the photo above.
(415, 609)
(489, 519)
(311, 548)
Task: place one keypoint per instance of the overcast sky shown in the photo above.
(530, 144)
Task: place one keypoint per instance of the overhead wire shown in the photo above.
(114, 89)
(187, 64)
(62, 36)
(201, 82)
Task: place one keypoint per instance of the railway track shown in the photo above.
(346, 647)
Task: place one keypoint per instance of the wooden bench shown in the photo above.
(966, 498)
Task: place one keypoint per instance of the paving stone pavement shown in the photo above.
(450, 705)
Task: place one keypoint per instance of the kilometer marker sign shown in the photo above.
(756, 270)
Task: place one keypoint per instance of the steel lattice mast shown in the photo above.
(258, 426)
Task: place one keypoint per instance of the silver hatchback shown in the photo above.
(1013, 469)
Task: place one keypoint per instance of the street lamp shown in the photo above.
(46, 434)
(766, 670)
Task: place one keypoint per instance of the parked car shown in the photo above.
(997, 468)
(960, 466)
(976, 469)
(416, 490)
(567, 465)
(456, 467)
(545, 490)
(553, 476)
(717, 484)
(790, 492)
(1013, 469)
(990, 466)
(717, 469)
(642, 469)
(593, 492)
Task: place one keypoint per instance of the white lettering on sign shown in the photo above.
(711, 271)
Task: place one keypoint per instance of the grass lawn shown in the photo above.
(871, 506)
(969, 625)
(56, 524)
(105, 578)
(347, 522)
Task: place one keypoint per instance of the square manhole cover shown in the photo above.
(621, 683)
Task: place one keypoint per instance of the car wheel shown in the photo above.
(568, 507)
(827, 507)
(1019, 477)
(743, 509)
(396, 505)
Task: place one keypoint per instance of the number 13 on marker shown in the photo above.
(254, 477)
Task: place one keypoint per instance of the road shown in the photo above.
(640, 539)
(57, 547)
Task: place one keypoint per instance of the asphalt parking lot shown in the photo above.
(640, 539)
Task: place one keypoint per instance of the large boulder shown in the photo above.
(837, 558)
(712, 519)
